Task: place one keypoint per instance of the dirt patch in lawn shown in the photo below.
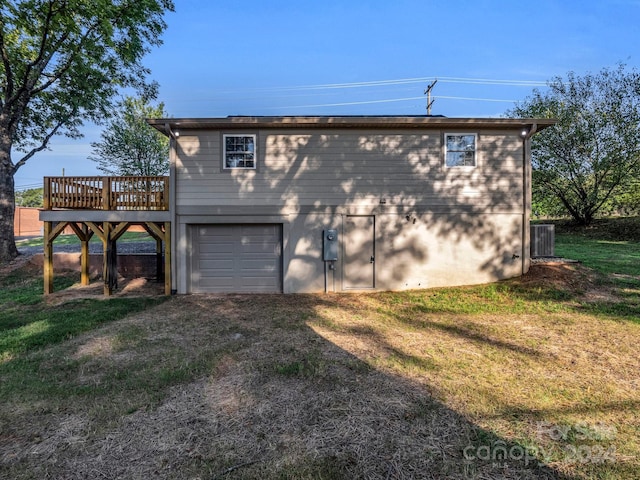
(22, 262)
(564, 276)
(127, 287)
(574, 278)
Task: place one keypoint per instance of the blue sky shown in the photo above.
(356, 57)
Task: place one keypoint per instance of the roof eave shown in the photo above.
(372, 122)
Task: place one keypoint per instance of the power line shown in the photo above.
(405, 81)
(391, 100)
(503, 100)
(342, 104)
(487, 81)
(390, 83)
(278, 95)
(29, 186)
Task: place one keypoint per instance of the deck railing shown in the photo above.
(107, 193)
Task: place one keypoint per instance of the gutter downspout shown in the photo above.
(526, 206)
(172, 205)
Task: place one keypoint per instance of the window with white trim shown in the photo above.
(460, 149)
(239, 151)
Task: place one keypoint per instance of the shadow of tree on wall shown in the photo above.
(452, 218)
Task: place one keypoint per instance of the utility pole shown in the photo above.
(427, 92)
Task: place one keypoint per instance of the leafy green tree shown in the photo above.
(592, 155)
(627, 203)
(63, 62)
(31, 197)
(129, 146)
(544, 203)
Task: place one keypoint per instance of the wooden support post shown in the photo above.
(84, 234)
(106, 265)
(106, 193)
(51, 231)
(84, 255)
(158, 260)
(165, 194)
(48, 259)
(167, 258)
(46, 193)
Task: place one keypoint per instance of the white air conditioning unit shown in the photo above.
(543, 239)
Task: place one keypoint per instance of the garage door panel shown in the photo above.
(216, 264)
(211, 249)
(259, 230)
(215, 232)
(236, 258)
(257, 265)
(217, 285)
(269, 249)
(254, 276)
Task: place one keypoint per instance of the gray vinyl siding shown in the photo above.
(350, 168)
(380, 182)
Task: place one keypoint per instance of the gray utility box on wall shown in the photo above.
(330, 245)
(543, 241)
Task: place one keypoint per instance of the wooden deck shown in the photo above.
(106, 193)
(106, 207)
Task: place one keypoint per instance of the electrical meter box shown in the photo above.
(330, 245)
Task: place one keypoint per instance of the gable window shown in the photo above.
(239, 151)
(460, 149)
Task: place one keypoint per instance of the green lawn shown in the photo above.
(615, 262)
(29, 322)
(605, 256)
(72, 239)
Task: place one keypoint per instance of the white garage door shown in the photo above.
(236, 258)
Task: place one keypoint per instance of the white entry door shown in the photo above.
(359, 252)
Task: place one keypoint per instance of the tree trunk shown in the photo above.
(8, 250)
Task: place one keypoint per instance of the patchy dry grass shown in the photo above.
(523, 377)
(530, 378)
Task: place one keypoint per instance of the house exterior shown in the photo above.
(347, 203)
